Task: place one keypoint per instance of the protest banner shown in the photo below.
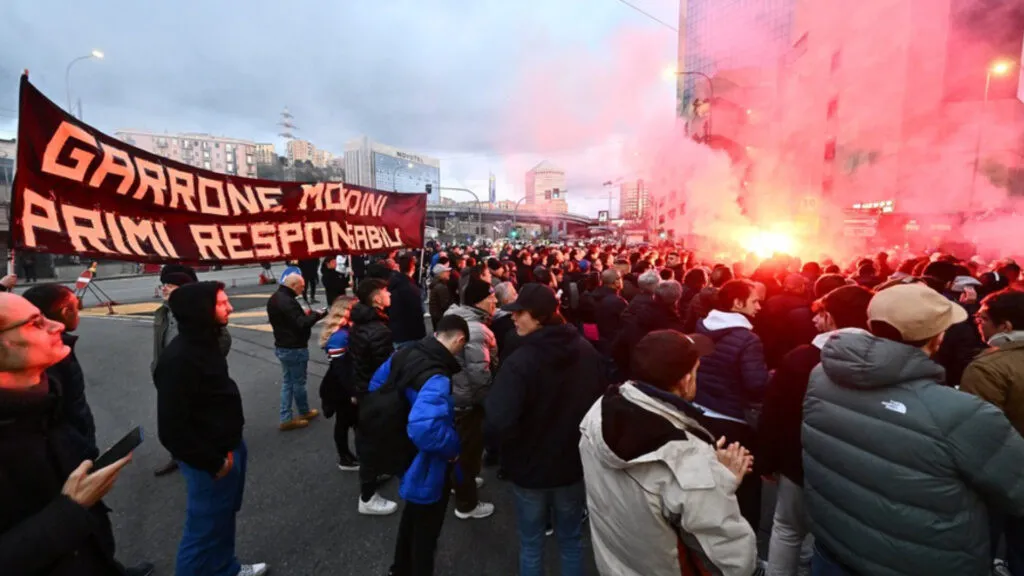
(79, 191)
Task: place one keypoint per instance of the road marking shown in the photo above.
(123, 309)
(249, 314)
(256, 327)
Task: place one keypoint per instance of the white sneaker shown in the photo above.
(253, 569)
(377, 506)
(482, 510)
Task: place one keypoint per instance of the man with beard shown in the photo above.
(165, 329)
(52, 519)
(200, 421)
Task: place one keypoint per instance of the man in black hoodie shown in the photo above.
(52, 521)
(200, 421)
(608, 308)
(534, 409)
(59, 303)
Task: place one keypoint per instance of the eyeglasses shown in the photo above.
(36, 321)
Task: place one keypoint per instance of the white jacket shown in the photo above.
(659, 499)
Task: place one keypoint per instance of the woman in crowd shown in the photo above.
(337, 391)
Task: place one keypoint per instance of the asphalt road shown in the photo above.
(299, 513)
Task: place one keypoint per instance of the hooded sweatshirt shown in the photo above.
(479, 359)
(199, 408)
(538, 399)
(660, 501)
(732, 378)
(900, 470)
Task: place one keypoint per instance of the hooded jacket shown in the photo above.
(785, 323)
(199, 408)
(369, 343)
(431, 415)
(406, 311)
(535, 406)
(479, 359)
(700, 306)
(608, 309)
(732, 378)
(334, 280)
(661, 503)
(165, 328)
(43, 532)
(900, 470)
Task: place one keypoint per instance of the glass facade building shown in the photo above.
(719, 35)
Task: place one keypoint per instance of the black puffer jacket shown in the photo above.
(369, 343)
(640, 319)
(41, 531)
(199, 408)
(608, 309)
(536, 404)
(785, 323)
(292, 326)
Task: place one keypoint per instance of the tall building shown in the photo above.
(545, 188)
(936, 145)
(300, 151)
(217, 153)
(715, 36)
(384, 167)
(265, 154)
(634, 200)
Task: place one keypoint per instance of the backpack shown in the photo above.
(382, 441)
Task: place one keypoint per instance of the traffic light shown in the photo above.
(514, 233)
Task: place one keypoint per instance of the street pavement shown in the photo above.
(299, 513)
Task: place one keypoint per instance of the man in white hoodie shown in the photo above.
(660, 489)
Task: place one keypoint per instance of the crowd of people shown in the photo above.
(640, 392)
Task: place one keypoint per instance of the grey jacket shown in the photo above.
(898, 467)
(165, 329)
(479, 359)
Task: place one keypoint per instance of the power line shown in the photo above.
(651, 16)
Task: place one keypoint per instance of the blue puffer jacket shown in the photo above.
(431, 428)
(731, 380)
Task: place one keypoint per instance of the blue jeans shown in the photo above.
(534, 508)
(823, 564)
(208, 543)
(293, 383)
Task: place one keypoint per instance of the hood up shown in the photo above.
(554, 344)
(193, 306)
(858, 359)
(718, 320)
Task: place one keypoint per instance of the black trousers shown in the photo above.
(418, 533)
(749, 492)
(309, 293)
(469, 423)
(344, 420)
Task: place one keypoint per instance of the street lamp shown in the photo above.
(479, 210)
(394, 175)
(997, 68)
(67, 73)
(671, 72)
(515, 210)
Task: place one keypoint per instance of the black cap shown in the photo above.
(539, 300)
(664, 357)
(177, 274)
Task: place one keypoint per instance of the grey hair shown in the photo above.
(648, 281)
(505, 292)
(669, 291)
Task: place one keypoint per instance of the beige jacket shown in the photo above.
(660, 502)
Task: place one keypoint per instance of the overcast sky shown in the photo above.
(455, 79)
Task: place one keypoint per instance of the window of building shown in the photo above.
(206, 164)
(216, 145)
(248, 159)
(206, 153)
(830, 149)
(229, 147)
(833, 108)
(672, 214)
(661, 219)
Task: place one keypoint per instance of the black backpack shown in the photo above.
(383, 443)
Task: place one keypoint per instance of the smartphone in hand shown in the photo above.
(124, 447)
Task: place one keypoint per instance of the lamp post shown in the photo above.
(394, 175)
(479, 210)
(67, 73)
(515, 210)
(673, 73)
(998, 68)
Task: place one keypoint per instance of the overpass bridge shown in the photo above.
(480, 221)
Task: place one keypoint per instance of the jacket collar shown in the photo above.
(820, 340)
(287, 292)
(676, 402)
(69, 340)
(1005, 340)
